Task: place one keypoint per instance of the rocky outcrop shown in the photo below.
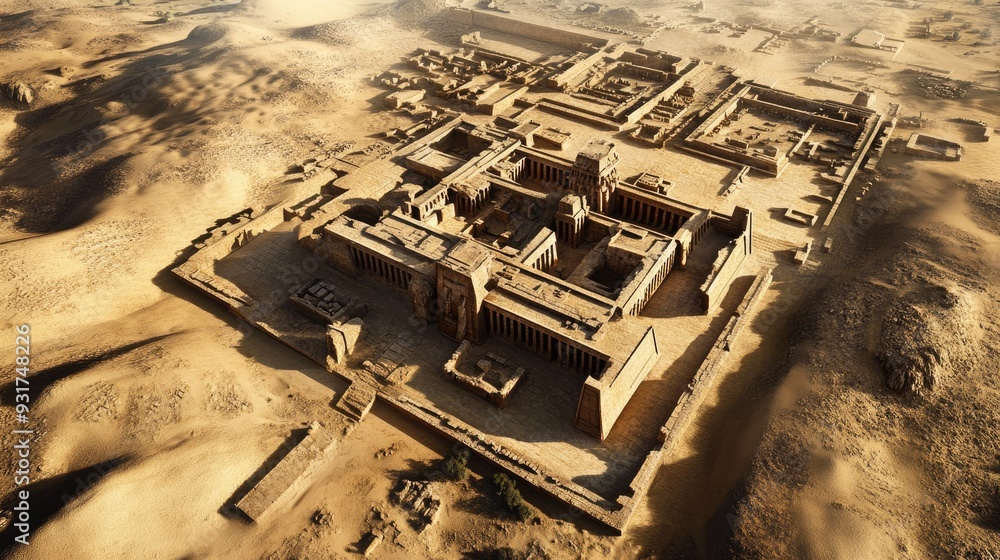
(18, 92)
(921, 331)
(623, 16)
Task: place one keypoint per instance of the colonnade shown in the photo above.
(552, 347)
(382, 269)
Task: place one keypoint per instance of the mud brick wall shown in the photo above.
(199, 271)
(496, 22)
(226, 245)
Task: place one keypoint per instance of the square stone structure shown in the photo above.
(475, 251)
(546, 225)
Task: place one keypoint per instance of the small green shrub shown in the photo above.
(455, 466)
(508, 492)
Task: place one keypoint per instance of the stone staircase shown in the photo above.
(356, 401)
(773, 252)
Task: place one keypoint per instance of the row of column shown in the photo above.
(545, 261)
(644, 74)
(650, 215)
(389, 273)
(466, 205)
(651, 287)
(437, 202)
(519, 169)
(546, 173)
(569, 231)
(600, 200)
(700, 232)
(553, 348)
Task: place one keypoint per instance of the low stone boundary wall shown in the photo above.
(291, 474)
(691, 399)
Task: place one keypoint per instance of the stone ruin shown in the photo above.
(491, 377)
(520, 239)
(418, 499)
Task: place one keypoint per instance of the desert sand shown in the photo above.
(151, 405)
